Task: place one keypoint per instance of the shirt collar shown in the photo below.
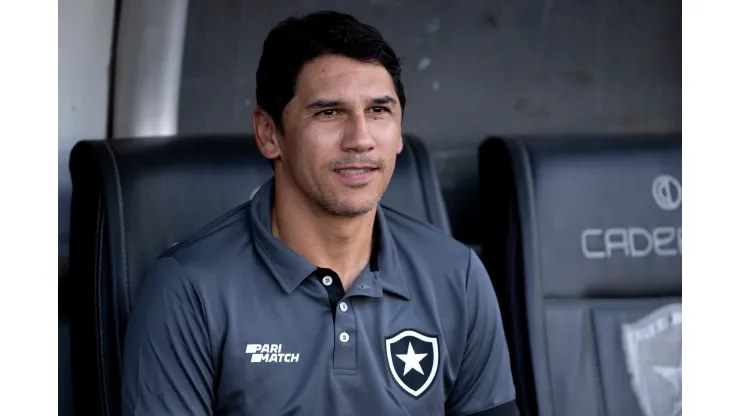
(290, 268)
(386, 266)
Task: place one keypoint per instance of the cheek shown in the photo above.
(387, 134)
(319, 144)
(310, 155)
(301, 144)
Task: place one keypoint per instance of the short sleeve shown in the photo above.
(167, 369)
(484, 383)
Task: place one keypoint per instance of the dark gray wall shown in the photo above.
(472, 69)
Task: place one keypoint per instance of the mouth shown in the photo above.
(356, 174)
(355, 170)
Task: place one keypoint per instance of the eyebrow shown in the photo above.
(321, 103)
(384, 100)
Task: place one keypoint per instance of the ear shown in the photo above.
(400, 145)
(265, 133)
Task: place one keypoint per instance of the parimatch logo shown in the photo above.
(270, 353)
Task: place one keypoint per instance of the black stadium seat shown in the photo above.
(583, 237)
(134, 198)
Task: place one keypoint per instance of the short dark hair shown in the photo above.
(295, 41)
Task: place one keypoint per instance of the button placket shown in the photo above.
(345, 330)
(345, 343)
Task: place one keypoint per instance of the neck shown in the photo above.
(343, 244)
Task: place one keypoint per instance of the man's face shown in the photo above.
(342, 132)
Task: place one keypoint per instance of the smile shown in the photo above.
(354, 171)
(356, 175)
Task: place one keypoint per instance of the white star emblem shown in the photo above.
(411, 360)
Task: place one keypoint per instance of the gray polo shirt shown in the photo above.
(233, 322)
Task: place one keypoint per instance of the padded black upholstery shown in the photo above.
(134, 198)
(551, 204)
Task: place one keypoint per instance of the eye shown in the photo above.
(379, 110)
(328, 113)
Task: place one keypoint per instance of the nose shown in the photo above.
(357, 137)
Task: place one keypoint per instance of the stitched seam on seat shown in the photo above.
(437, 217)
(98, 307)
(124, 260)
(124, 246)
(597, 364)
(540, 299)
(422, 180)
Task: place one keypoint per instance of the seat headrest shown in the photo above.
(598, 217)
(144, 195)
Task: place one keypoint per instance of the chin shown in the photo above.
(349, 207)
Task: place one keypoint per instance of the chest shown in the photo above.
(360, 355)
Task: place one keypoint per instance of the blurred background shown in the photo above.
(472, 69)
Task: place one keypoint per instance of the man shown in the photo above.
(311, 299)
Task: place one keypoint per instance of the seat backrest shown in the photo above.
(132, 199)
(583, 239)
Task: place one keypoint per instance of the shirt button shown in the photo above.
(344, 337)
(327, 280)
(343, 307)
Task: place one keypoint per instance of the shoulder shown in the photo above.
(200, 273)
(214, 248)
